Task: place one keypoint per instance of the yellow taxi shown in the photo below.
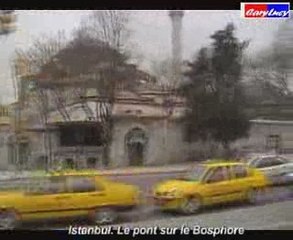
(69, 194)
(210, 183)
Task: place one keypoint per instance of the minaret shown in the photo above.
(176, 18)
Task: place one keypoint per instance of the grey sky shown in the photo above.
(150, 39)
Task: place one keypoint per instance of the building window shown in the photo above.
(273, 142)
(69, 163)
(24, 153)
(4, 111)
(91, 163)
(11, 154)
(2, 141)
(80, 135)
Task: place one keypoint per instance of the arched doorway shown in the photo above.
(136, 144)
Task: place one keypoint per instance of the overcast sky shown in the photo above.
(150, 39)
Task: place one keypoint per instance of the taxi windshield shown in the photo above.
(195, 174)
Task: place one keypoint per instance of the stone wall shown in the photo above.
(259, 132)
(166, 142)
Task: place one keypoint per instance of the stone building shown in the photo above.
(145, 132)
(148, 130)
(268, 136)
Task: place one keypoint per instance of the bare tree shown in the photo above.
(111, 28)
(271, 67)
(30, 94)
(95, 58)
(42, 50)
(267, 79)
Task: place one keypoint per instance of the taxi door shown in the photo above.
(85, 194)
(240, 181)
(39, 201)
(217, 185)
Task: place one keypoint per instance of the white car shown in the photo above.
(287, 179)
(272, 165)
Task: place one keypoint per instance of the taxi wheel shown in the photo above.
(8, 220)
(190, 205)
(105, 216)
(256, 195)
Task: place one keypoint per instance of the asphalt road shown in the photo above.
(268, 216)
(273, 213)
(147, 181)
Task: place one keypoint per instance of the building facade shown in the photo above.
(268, 136)
(145, 133)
